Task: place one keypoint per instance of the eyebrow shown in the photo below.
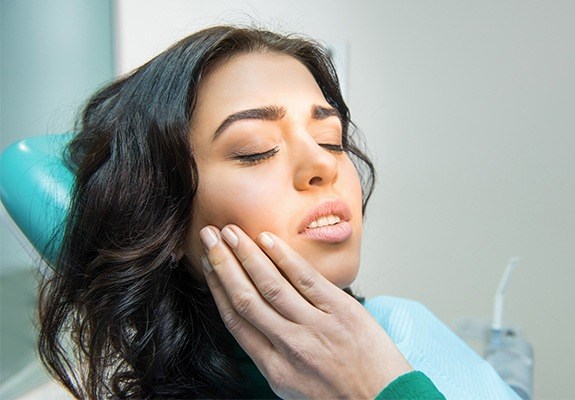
(272, 113)
(320, 112)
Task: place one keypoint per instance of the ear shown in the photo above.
(179, 253)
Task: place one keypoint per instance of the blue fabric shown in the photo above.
(431, 347)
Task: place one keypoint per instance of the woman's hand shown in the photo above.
(308, 337)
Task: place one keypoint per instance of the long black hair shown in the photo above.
(116, 318)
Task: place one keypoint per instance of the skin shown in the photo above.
(278, 290)
(301, 175)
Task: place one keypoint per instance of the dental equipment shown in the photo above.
(509, 354)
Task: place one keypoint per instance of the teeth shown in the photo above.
(324, 221)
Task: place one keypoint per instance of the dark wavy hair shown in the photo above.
(117, 320)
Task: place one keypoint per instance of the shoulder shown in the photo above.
(380, 304)
(399, 315)
(433, 348)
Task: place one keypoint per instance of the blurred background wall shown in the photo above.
(467, 108)
(53, 54)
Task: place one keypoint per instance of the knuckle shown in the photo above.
(242, 302)
(299, 355)
(306, 281)
(232, 321)
(216, 259)
(271, 291)
(282, 259)
(245, 258)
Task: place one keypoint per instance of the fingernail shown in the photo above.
(209, 237)
(206, 266)
(230, 237)
(266, 240)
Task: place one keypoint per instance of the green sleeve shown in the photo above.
(413, 385)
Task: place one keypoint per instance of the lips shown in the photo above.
(328, 222)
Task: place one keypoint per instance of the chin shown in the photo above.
(338, 264)
(341, 273)
(342, 281)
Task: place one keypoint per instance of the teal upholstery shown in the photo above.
(35, 187)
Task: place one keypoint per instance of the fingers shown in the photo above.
(250, 290)
(268, 280)
(250, 338)
(307, 280)
(237, 289)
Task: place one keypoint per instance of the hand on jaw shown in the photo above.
(308, 337)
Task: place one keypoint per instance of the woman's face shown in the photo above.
(267, 146)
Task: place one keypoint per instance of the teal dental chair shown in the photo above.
(35, 189)
(35, 192)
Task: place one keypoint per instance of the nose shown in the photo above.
(315, 166)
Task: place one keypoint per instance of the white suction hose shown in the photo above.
(509, 354)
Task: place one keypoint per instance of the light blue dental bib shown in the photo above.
(431, 347)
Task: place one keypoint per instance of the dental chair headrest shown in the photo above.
(35, 187)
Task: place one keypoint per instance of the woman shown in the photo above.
(215, 194)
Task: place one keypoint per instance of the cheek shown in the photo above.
(350, 184)
(225, 198)
(234, 200)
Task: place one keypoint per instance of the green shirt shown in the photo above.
(413, 385)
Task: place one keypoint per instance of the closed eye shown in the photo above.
(334, 148)
(255, 158)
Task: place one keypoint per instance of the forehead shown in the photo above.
(254, 80)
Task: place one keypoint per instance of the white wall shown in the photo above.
(468, 111)
(53, 54)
